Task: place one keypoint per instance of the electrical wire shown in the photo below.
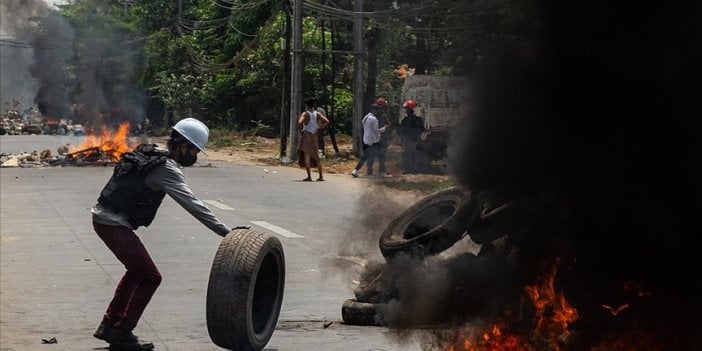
(200, 60)
(235, 5)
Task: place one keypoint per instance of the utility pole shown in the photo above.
(296, 78)
(357, 76)
(285, 108)
(180, 11)
(166, 119)
(125, 4)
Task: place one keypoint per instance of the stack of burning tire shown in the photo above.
(426, 228)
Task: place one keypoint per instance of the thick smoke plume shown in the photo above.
(79, 70)
(52, 51)
(586, 122)
(375, 209)
(589, 121)
(16, 31)
(595, 113)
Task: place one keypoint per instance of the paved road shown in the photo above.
(56, 276)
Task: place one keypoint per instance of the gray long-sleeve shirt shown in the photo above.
(170, 179)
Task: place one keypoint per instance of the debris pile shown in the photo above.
(92, 156)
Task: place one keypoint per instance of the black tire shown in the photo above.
(245, 291)
(494, 223)
(363, 313)
(431, 225)
(374, 287)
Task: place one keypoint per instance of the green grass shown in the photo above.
(221, 138)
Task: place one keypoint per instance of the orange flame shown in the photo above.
(491, 340)
(553, 312)
(113, 144)
(552, 316)
(615, 311)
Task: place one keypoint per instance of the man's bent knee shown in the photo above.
(152, 279)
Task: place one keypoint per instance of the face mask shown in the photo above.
(187, 159)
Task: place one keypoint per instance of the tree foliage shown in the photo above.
(221, 61)
(104, 67)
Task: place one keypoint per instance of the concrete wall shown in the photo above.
(440, 99)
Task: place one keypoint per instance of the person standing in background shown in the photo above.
(309, 124)
(371, 141)
(411, 129)
(320, 134)
(382, 150)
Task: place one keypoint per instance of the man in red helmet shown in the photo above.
(411, 129)
(383, 122)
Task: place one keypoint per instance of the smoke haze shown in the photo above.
(587, 118)
(52, 52)
(16, 31)
(85, 74)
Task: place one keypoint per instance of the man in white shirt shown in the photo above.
(371, 141)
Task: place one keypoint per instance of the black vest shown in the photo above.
(126, 191)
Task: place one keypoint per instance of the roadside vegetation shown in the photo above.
(223, 61)
(100, 62)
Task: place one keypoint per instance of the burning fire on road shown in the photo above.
(584, 121)
(104, 147)
(552, 314)
(100, 148)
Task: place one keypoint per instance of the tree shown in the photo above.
(107, 50)
(221, 61)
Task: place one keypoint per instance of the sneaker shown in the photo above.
(384, 175)
(354, 173)
(103, 332)
(128, 341)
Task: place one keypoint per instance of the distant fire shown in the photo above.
(105, 143)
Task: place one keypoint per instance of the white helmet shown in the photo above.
(195, 131)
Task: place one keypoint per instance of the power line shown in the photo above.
(234, 5)
(17, 44)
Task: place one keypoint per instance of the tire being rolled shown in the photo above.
(431, 225)
(245, 290)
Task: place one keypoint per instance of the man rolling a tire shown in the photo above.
(131, 199)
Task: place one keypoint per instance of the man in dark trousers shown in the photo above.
(411, 129)
(320, 134)
(131, 199)
(383, 122)
(371, 141)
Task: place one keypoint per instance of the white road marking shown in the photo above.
(274, 228)
(355, 259)
(218, 204)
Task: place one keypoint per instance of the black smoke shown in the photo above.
(585, 120)
(52, 54)
(16, 32)
(70, 64)
(591, 119)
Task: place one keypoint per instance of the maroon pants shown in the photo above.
(138, 284)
